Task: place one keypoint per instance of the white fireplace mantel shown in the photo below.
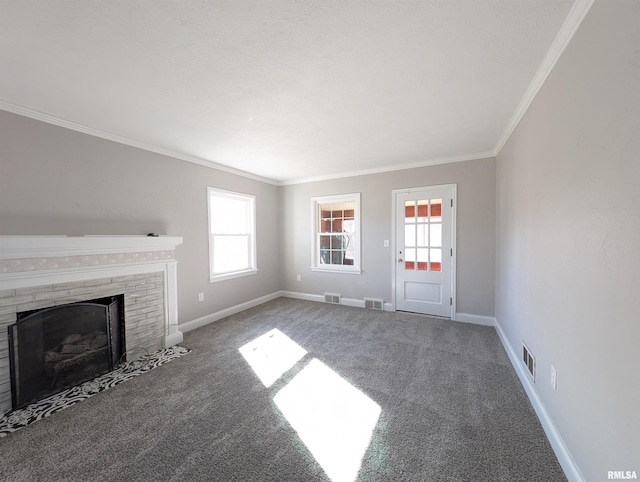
(19, 247)
(29, 261)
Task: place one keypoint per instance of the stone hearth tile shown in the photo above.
(17, 419)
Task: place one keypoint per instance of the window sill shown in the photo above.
(349, 270)
(235, 274)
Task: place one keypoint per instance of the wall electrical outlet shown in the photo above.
(200, 296)
(554, 377)
(298, 278)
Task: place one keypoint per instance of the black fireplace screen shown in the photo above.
(62, 346)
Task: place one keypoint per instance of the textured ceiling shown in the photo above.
(285, 90)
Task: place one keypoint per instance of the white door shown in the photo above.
(424, 250)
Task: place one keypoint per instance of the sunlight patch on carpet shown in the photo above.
(271, 355)
(333, 418)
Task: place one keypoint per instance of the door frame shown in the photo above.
(454, 210)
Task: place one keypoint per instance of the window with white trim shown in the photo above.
(336, 233)
(232, 234)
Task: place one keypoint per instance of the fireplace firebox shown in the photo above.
(56, 348)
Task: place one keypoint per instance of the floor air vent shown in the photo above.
(529, 361)
(332, 298)
(374, 303)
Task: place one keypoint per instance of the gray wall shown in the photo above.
(568, 239)
(475, 232)
(57, 181)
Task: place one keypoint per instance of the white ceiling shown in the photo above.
(284, 90)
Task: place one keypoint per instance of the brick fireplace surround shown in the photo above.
(43, 271)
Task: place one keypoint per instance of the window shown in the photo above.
(232, 238)
(336, 233)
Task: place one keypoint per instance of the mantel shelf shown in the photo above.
(20, 247)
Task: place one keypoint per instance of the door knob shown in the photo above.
(400, 260)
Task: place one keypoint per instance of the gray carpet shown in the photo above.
(452, 408)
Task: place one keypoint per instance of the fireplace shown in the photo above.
(44, 272)
(55, 348)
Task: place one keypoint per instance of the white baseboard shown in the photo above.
(463, 317)
(476, 319)
(320, 298)
(173, 339)
(205, 320)
(302, 296)
(353, 302)
(218, 315)
(562, 452)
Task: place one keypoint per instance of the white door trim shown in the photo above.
(454, 211)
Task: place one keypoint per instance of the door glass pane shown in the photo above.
(423, 206)
(422, 235)
(410, 258)
(436, 210)
(409, 211)
(435, 234)
(409, 234)
(436, 259)
(410, 254)
(422, 259)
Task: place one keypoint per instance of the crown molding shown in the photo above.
(401, 167)
(49, 119)
(575, 17)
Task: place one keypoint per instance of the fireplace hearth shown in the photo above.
(56, 348)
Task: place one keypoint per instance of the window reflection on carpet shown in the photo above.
(333, 418)
(271, 355)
